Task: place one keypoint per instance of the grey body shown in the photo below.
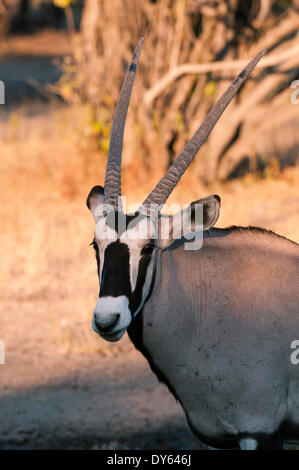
(231, 311)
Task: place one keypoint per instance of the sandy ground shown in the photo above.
(61, 386)
(87, 402)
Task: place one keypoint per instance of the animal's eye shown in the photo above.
(148, 249)
(95, 245)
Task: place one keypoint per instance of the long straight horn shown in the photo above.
(166, 185)
(112, 190)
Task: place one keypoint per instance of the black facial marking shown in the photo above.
(115, 280)
(136, 297)
(96, 249)
(116, 271)
(147, 249)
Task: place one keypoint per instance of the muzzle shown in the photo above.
(111, 317)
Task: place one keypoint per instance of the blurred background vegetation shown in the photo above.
(165, 115)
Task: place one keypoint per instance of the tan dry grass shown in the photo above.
(47, 269)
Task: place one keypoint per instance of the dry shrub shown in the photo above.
(179, 32)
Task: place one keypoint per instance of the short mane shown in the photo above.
(253, 229)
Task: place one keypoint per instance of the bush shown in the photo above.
(163, 117)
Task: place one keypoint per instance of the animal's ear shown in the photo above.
(201, 214)
(210, 211)
(95, 200)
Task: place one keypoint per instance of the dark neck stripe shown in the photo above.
(136, 297)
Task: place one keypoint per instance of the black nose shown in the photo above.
(107, 324)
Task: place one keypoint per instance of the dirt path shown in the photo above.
(112, 402)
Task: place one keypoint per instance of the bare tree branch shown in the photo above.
(220, 66)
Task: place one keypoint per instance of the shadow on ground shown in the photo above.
(26, 77)
(97, 402)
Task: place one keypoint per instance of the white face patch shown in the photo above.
(136, 237)
(104, 235)
(107, 307)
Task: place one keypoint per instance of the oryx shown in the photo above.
(216, 323)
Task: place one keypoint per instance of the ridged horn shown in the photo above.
(112, 189)
(166, 185)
